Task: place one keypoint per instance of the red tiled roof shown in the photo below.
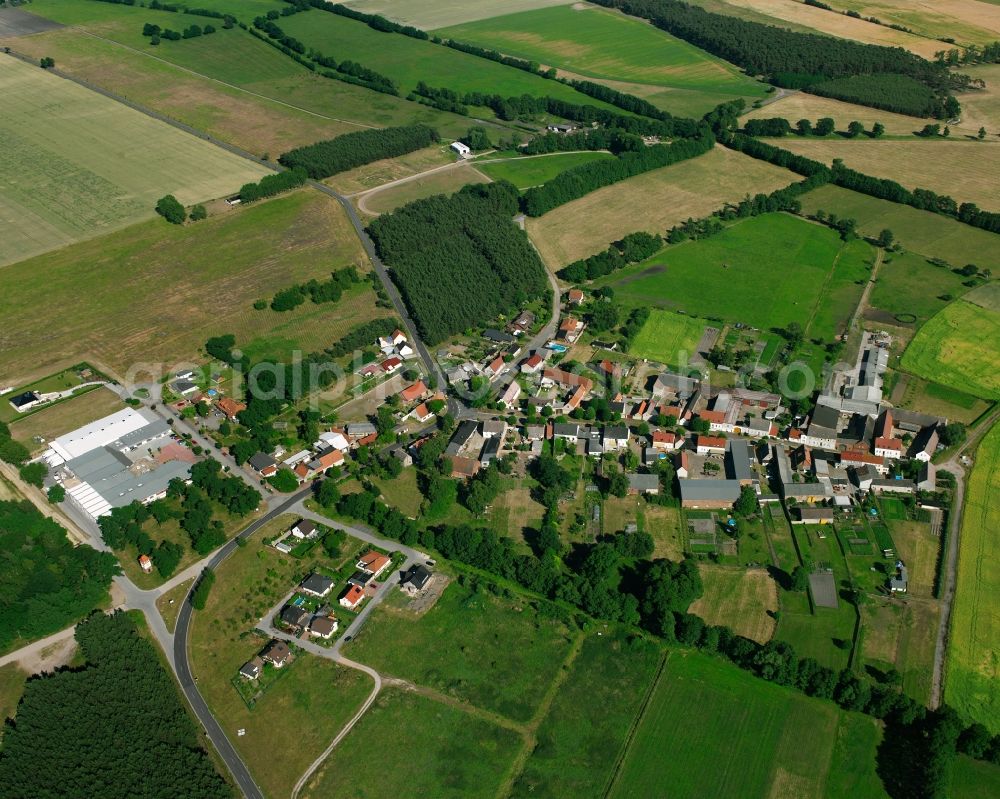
(889, 443)
(332, 458)
(373, 561)
(711, 441)
(712, 416)
(414, 391)
(567, 378)
(230, 407)
(662, 436)
(391, 363)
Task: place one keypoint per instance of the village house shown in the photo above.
(510, 395)
(317, 585)
(230, 407)
(666, 441)
(532, 364)
(252, 668)
(323, 627)
(615, 437)
(145, 563)
(643, 484)
(295, 617)
(924, 444)
(570, 329)
(276, 653)
(421, 413)
(352, 597)
(708, 493)
(811, 515)
(263, 464)
(522, 324)
(464, 467)
(416, 579)
(373, 562)
(710, 445)
(574, 297)
(413, 392)
(494, 367)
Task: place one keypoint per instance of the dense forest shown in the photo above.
(631, 249)
(898, 93)
(460, 261)
(326, 158)
(585, 178)
(801, 60)
(46, 584)
(114, 729)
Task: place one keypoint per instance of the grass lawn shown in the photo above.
(960, 348)
(665, 524)
(668, 337)
(918, 547)
(653, 202)
(597, 43)
(305, 708)
(973, 779)
(908, 283)
(65, 416)
(154, 292)
(729, 734)
(922, 232)
(514, 512)
(766, 271)
(939, 400)
(402, 492)
(424, 748)
(738, 598)
(12, 679)
(536, 170)
(496, 654)
(587, 726)
(973, 662)
(407, 61)
(902, 636)
(169, 603)
(63, 183)
(447, 181)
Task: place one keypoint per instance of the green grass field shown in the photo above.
(668, 337)
(973, 660)
(731, 735)
(12, 679)
(909, 283)
(533, 171)
(431, 14)
(154, 292)
(929, 234)
(766, 271)
(974, 779)
(485, 650)
(411, 745)
(959, 347)
(75, 164)
(597, 43)
(581, 737)
(408, 61)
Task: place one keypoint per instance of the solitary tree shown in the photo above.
(46, 62)
(800, 579)
(170, 209)
(855, 129)
(198, 212)
(57, 494)
(982, 133)
(877, 130)
(885, 239)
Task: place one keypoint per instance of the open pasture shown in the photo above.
(729, 734)
(155, 292)
(949, 403)
(766, 271)
(535, 170)
(489, 652)
(969, 171)
(822, 21)
(972, 779)
(445, 181)
(432, 14)
(408, 61)
(668, 338)
(424, 748)
(908, 283)
(973, 660)
(929, 234)
(594, 42)
(902, 636)
(75, 164)
(959, 347)
(653, 202)
(742, 599)
(981, 108)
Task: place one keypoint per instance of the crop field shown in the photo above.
(973, 661)
(965, 22)
(584, 732)
(909, 283)
(969, 171)
(981, 108)
(450, 752)
(536, 170)
(985, 296)
(446, 181)
(799, 105)
(408, 61)
(766, 271)
(64, 416)
(432, 14)
(959, 347)
(731, 735)
(844, 27)
(151, 293)
(304, 708)
(63, 182)
(593, 42)
(668, 338)
(486, 651)
(929, 234)
(742, 599)
(903, 637)
(652, 202)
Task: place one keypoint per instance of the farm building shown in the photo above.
(708, 493)
(463, 150)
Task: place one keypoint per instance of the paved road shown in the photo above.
(954, 465)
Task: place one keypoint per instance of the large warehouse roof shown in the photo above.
(94, 435)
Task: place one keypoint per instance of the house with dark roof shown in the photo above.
(318, 585)
(252, 668)
(263, 464)
(802, 515)
(276, 653)
(708, 493)
(899, 579)
(323, 627)
(416, 579)
(294, 616)
(497, 336)
(643, 484)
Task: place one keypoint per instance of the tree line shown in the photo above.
(271, 185)
(459, 261)
(585, 178)
(319, 292)
(326, 158)
(779, 126)
(901, 94)
(631, 249)
(789, 58)
(113, 728)
(46, 584)
(156, 33)
(363, 335)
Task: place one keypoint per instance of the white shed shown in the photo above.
(463, 150)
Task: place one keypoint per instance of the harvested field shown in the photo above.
(799, 105)
(741, 599)
(378, 173)
(431, 14)
(64, 417)
(652, 202)
(839, 25)
(966, 22)
(968, 171)
(148, 293)
(982, 108)
(61, 180)
(446, 181)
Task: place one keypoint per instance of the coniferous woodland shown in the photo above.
(114, 728)
(326, 158)
(459, 261)
(808, 60)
